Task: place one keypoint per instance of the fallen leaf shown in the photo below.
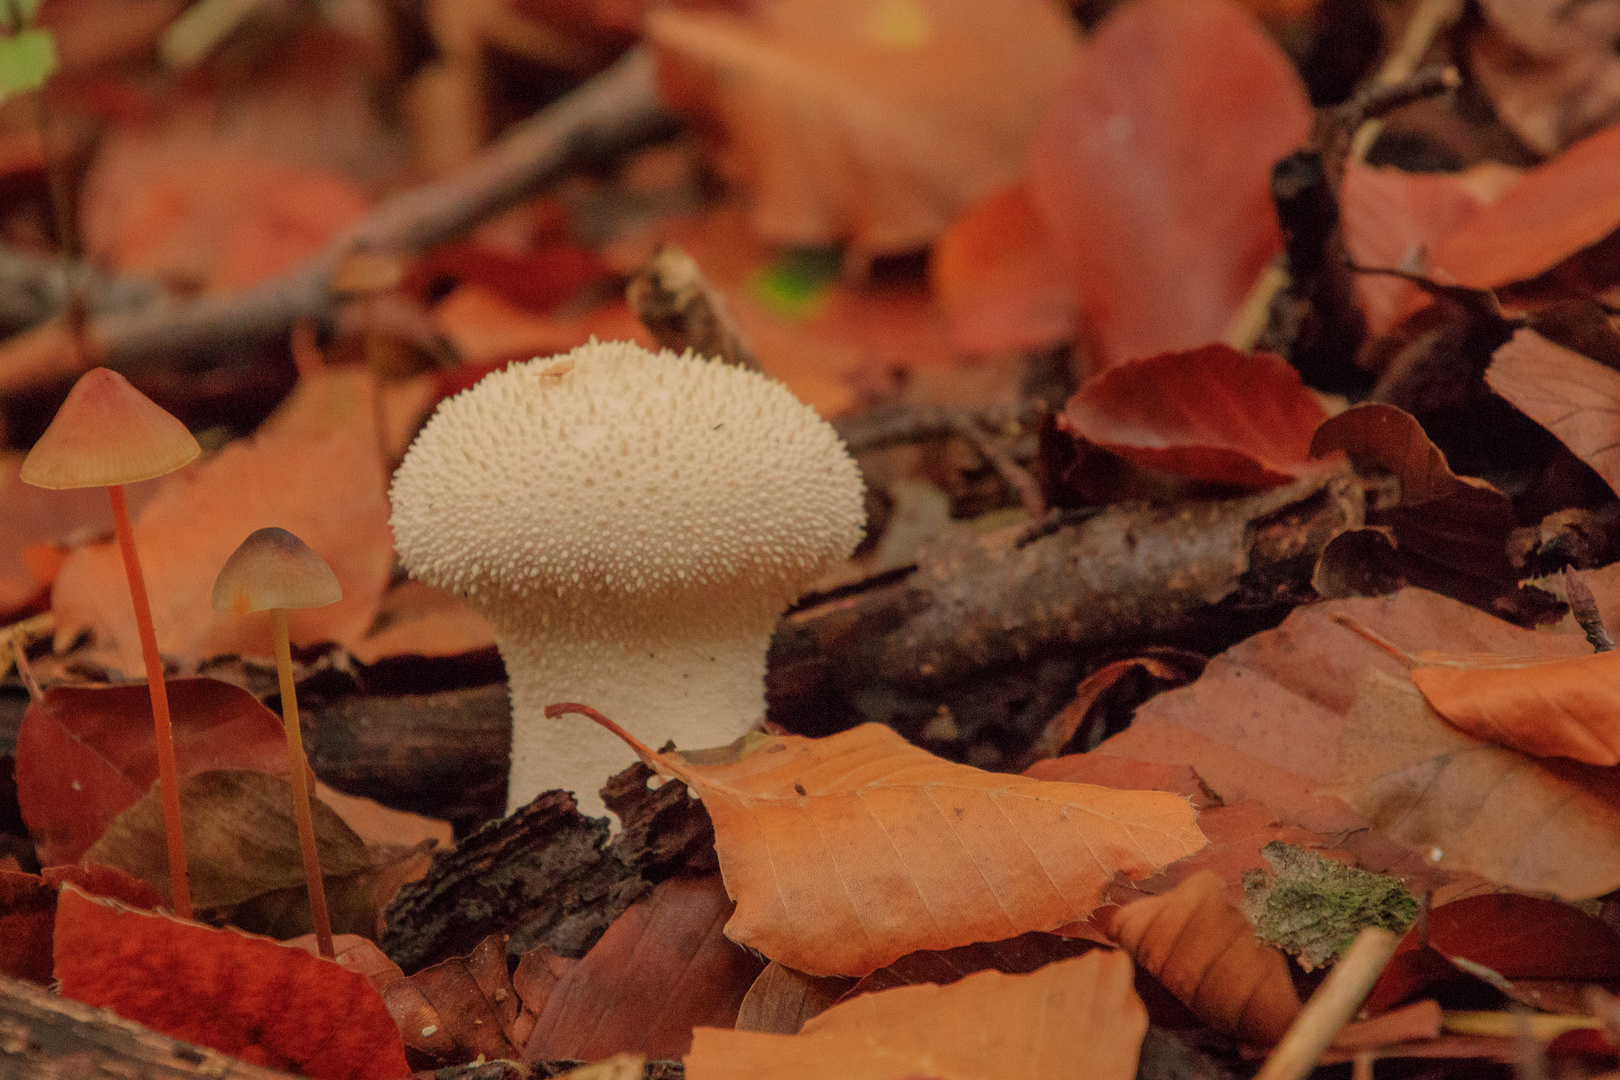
(245, 996)
(472, 1008)
(1540, 825)
(929, 854)
(415, 619)
(1211, 414)
(1420, 1020)
(1572, 396)
(875, 125)
(1061, 729)
(242, 850)
(1395, 220)
(1118, 772)
(86, 754)
(28, 911)
(671, 940)
(1204, 951)
(782, 999)
(1550, 72)
(1558, 208)
(329, 491)
(1163, 227)
(998, 280)
(538, 972)
(1077, 1017)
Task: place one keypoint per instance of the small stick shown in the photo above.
(1016, 476)
(1583, 605)
(1334, 1002)
(683, 311)
(18, 640)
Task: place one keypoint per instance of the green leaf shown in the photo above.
(26, 60)
(795, 282)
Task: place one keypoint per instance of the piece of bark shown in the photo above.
(683, 311)
(46, 1037)
(612, 113)
(547, 875)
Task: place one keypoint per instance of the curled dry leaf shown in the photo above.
(1077, 1017)
(458, 1009)
(1557, 209)
(245, 996)
(328, 490)
(920, 109)
(1211, 413)
(85, 754)
(1163, 227)
(673, 941)
(1204, 951)
(1574, 397)
(845, 853)
(782, 999)
(1545, 826)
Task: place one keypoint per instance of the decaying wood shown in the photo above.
(683, 311)
(979, 605)
(46, 1037)
(614, 112)
(547, 875)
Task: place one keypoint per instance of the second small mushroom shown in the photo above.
(632, 525)
(273, 571)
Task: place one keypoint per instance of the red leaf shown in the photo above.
(662, 968)
(1559, 208)
(28, 911)
(1211, 414)
(84, 755)
(1152, 170)
(250, 997)
(998, 280)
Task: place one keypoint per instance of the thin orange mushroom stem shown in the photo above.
(300, 784)
(168, 771)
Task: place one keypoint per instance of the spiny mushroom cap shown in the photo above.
(272, 568)
(107, 432)
(612, 469)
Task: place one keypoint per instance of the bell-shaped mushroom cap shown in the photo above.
(274, 569)
(614, 470)
(107, 432)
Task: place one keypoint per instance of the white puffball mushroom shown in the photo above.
(632, 525)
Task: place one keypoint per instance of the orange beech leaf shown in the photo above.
(1162, 224)
(672, 940)
(1119, 772)
(249, 997)
(329, 491)
(878, 128)
(28, 911)
(1062, 728)
(85, 754)
(1558, 208)
(999, 283)
(1077, 1017)
(925, 853)
(1547, 708)
(1394, 220)
(782, 999)
(1573, 396)
(538, 972)
(1544, 825)
(1211, 413)
(1204, 951)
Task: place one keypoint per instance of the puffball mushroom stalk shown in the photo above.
(272, 570)
(108, 434)
(631, 525)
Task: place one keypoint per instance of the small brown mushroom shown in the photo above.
(108, 434)
(272, 571)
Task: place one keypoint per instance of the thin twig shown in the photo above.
(1016, 476)
(1583, 605)
(617, 110)
(19, 653)
(898, 425)
(1334, 1002)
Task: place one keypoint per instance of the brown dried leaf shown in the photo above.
(1077, 1017)
(782, 999)
(1543, 826)
(1572, 396)
(929, 854)
(473, 1005)
(1203, 949)
(671, 941)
